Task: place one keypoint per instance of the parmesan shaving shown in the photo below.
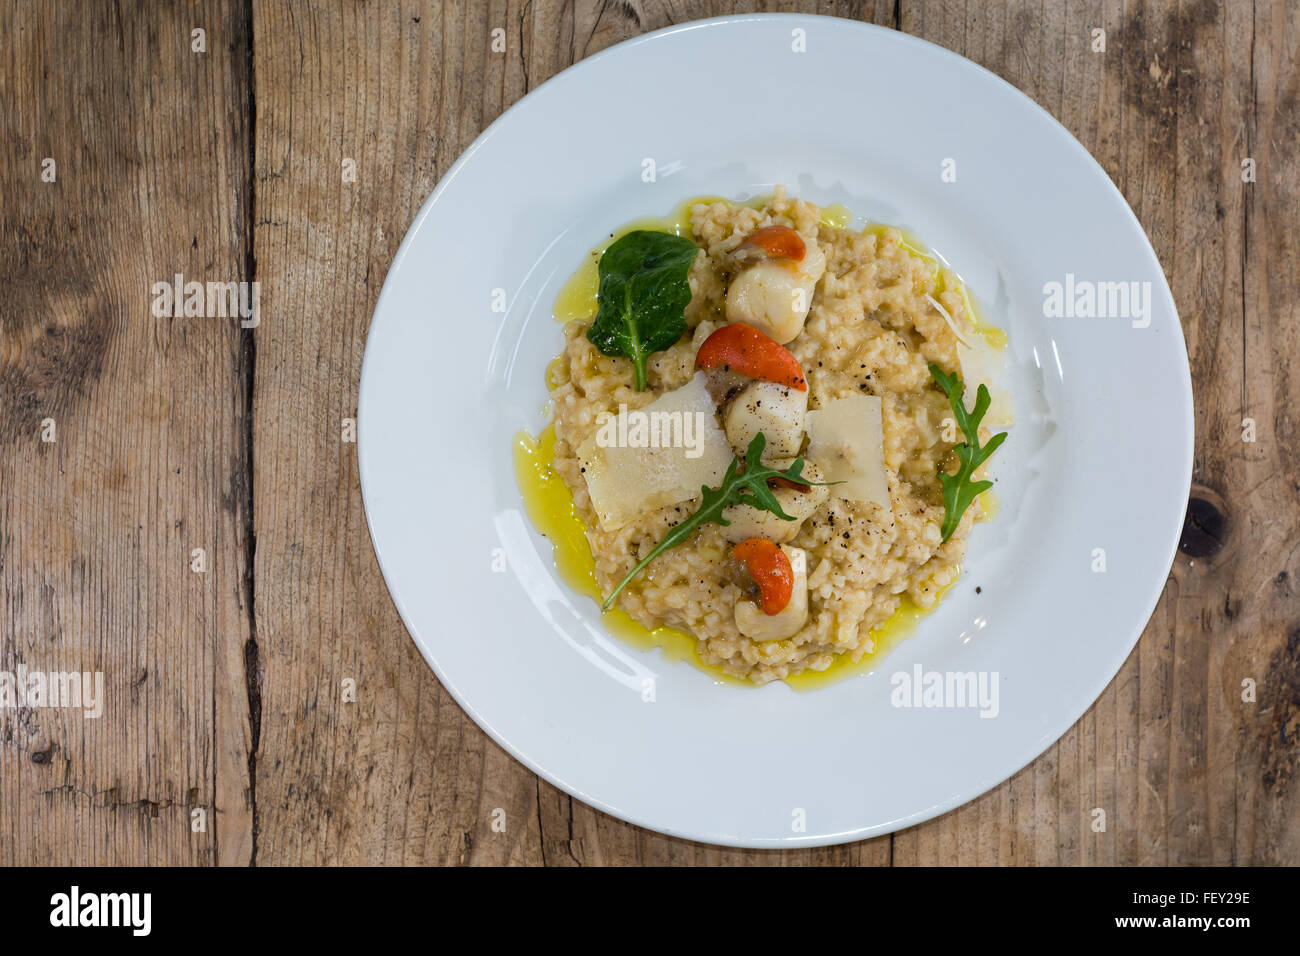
(655, 456)
(981, 364)
(952, 323)
(846, 441)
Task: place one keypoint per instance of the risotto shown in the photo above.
(828, 355)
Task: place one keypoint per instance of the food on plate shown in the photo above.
(644, 292)
(772, 288)
(774, 430)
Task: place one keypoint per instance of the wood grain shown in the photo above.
(242, 700)
(97, 527)
(401, 775)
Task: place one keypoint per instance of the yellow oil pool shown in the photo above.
(990, 505)
(577, 298)
(549, 506)
(836, 216)
(884, 639)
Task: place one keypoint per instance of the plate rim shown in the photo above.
(969, 793)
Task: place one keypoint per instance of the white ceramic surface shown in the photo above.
(1100, 455)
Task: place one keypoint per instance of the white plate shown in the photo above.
(1099, 458)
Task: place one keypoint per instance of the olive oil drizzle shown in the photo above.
(549, 506)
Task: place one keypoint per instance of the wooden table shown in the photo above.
(226, 686)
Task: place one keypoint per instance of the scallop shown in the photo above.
(759, 626)
(746, 521)
(778, 411)
(774, 295)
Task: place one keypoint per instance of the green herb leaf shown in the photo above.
(960, 490)
(642, 298)
(745, 483)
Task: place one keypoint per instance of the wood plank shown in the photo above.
(402, 775)
(97, 528)
(1186, 771)
(1246, 597)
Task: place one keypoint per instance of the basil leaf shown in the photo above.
(642, 298)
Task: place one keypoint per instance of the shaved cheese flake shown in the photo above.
(846, 441)
(628, 477)
(952, 323)
(981, 364)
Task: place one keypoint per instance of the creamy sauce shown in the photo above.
(549, 503)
